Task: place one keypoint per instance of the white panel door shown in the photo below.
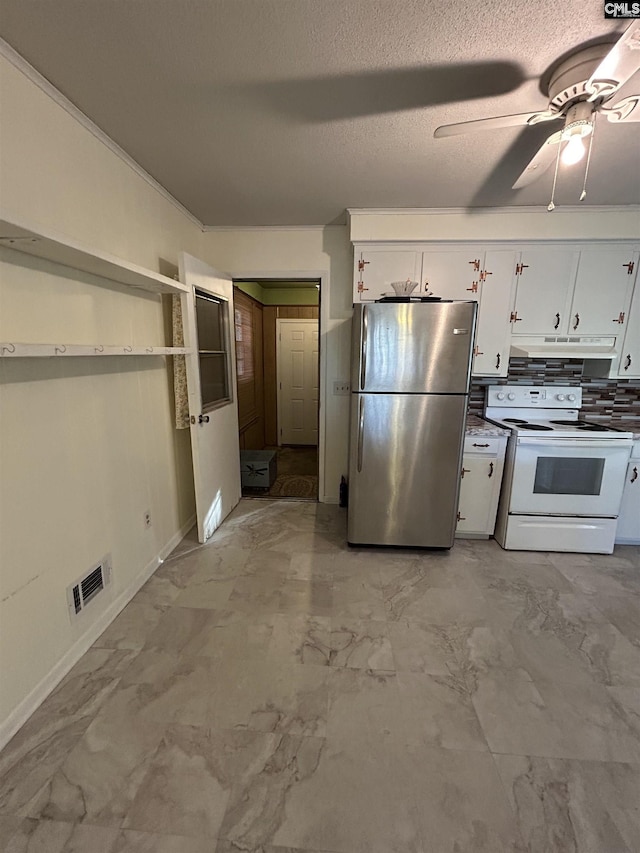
(298, 385)
(214, 432)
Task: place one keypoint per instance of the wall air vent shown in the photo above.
(89, 586)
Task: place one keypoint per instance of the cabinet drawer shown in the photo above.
(484, 445)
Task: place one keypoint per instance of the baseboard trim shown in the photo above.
(21, 713)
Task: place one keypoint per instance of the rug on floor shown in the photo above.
(295, 486)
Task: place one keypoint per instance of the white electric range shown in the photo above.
(563, 475)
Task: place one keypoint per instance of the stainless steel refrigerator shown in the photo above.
(410, 374)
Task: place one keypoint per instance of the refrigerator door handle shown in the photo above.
(363, 352)
(360, 433)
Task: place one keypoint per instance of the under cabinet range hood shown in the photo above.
(563, 346)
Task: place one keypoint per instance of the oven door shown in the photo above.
(572, 477)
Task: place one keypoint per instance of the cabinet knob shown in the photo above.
(490, 474)
(557, 323)
(497, 360)
(576, 322)
(634, 475)
(627, 363)
(480, 445)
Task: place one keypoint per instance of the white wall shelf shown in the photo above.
(13, 350)
(58, 249)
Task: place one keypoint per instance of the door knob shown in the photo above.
(203, 419)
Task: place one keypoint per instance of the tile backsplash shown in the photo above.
(604, 398)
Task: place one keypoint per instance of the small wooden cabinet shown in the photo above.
(629, 364)
(544, 285)
(486, 277)
(481, 477)
(628, 530)
(604, 283)
(375, 269)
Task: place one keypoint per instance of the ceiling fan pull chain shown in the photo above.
(583, 194)
(551, 205)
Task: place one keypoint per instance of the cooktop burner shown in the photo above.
(537, 427)
(514, 421)
(567, 423)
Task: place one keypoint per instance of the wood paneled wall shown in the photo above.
(249, 349)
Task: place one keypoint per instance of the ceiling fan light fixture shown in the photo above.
(574, 150)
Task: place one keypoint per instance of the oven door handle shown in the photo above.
(568, 443)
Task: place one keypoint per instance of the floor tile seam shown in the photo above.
(587, 761)
(513, 807)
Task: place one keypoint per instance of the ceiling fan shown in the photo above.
(580, 88)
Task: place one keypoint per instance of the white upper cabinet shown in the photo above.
(487, 277)
(629, 365)
(604, 284)
(545, 278)
(453, 274)
(493, 335)
(375, 269)
(541, 289)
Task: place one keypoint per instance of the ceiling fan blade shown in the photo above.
(541, 161)
(622, 61)
(625, 110)
(517, 120)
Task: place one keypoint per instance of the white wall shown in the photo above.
(86, 445)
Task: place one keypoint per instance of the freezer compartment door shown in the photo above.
(404, 469)
(413, 348)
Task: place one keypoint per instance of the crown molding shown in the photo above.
(21, 64)
(490, 211)
(216, 228)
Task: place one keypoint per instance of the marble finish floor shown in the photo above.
(277, 692)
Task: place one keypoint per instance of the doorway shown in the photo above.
(277, 336)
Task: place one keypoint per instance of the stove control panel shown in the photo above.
(530, 396)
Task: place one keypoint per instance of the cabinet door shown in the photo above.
(375, 269)
(493, 338)
(603, 291)
(476, 491)
(629, 367)
(453, 274)
(543, 291)
(628, 529)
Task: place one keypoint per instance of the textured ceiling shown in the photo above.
(286, 112)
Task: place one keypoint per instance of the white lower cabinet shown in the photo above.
(481, 477)
(628, 530)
